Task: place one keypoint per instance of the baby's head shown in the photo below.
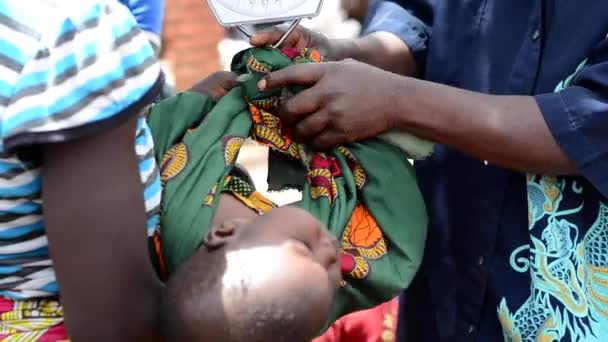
(272, 278)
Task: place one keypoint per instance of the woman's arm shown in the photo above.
(96, 226)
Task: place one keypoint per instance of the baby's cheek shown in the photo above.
(326, 281)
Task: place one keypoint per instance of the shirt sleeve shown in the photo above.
(95, 70)
(410, 21)
(148, 14)
(577, 116)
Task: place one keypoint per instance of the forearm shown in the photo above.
(507, 131)
(382, 49)
(95, 221)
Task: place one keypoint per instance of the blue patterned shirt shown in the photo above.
(67, 68)
(510, 256)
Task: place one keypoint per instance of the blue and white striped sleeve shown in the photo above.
(93, 72)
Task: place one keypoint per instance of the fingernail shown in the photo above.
(262, 84)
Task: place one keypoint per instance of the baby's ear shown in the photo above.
(220, 234)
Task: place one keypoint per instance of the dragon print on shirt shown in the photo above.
(567, 259)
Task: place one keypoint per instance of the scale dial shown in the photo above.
(245, 12)
(261, 8)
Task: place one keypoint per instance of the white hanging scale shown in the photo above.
(237, 13)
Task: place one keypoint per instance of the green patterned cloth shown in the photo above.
(365, 193)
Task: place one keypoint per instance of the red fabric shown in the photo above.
(378, 324)
(347, 263)
(54, 334)
(291, 52)
(16, 317)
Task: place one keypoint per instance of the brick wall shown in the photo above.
(190, 38)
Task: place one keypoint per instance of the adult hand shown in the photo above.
(216, 85)
(300, 38)
(347, 101)
(382, 49)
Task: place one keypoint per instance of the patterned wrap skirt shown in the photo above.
(39, 320)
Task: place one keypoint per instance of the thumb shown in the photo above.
(228, 80)
(266, 37)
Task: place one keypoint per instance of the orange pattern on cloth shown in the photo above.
(363, 230)
(267, 129)
(158, 255)
(361, 241)
(246, 193)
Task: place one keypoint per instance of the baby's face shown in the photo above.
(296, 253)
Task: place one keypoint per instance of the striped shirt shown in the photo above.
(66, 67)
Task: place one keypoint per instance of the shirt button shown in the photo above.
(536, 35)
(471, 329)
(481, 261)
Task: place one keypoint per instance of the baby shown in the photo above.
(245, 282)
(240, 269)
(254, 280)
